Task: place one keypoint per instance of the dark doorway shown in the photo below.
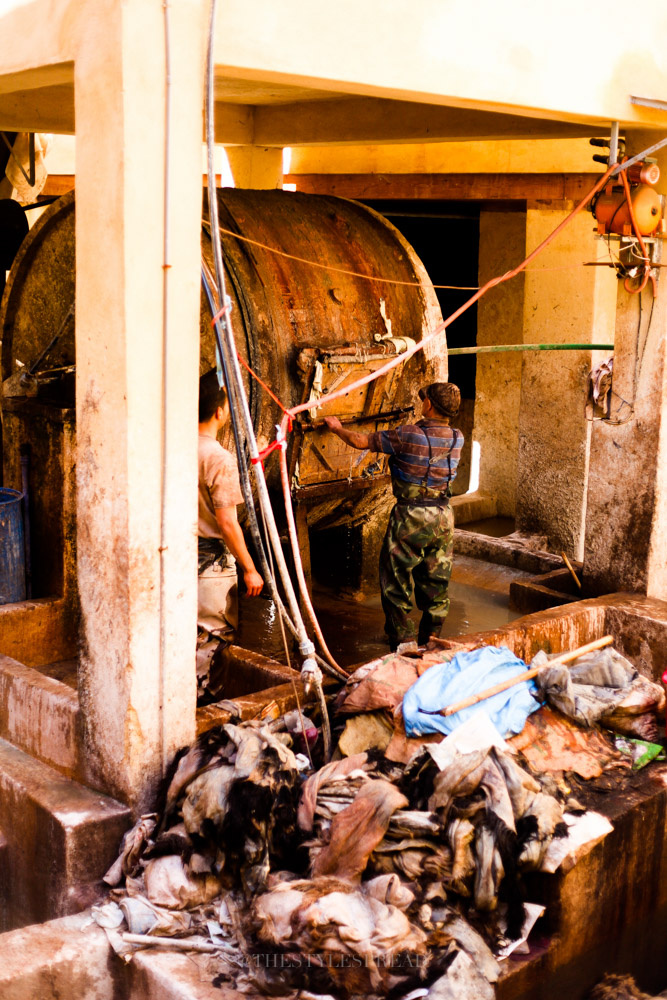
(445, 236)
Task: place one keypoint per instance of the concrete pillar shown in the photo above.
(502, 243)
(137, 370)
(563, 303)
(626, 523)
(256, 168)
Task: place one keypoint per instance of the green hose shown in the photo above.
(530, 347)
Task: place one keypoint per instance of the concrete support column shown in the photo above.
(502, 243)
(626, 523)
(137, 371)
(255, 167)
(564, 303)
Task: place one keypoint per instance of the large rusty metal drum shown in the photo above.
(324, 290)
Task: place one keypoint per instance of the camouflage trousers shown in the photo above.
(418, 547)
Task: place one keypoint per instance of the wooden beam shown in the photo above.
(448, 187)
(57, 184)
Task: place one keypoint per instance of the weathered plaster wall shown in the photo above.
(564, 303)
(137, 380)
(626, 524)
(502, 243)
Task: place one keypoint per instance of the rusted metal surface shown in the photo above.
(40, 292)
(308, 330)
(289, 317)
(304, 330)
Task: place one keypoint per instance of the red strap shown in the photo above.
(219, 315)
(263, 385)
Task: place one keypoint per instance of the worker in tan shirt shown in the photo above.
(220, 538)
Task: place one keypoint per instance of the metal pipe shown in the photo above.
(638, 156)
(529, 347)
(164, 442)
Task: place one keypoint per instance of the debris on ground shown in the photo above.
(614, 987)
(603, 687)
(396, 868)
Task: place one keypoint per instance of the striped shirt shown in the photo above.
(409, 449)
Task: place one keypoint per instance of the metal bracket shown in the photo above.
(31, 146)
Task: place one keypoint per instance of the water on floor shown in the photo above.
(354, 630)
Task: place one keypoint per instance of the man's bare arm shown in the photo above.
(353, 438)
(230, 529)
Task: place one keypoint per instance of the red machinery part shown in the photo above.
(613, 214)
(644, 173)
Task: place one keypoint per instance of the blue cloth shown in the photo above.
(468, 674)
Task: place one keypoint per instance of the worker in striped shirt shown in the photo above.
(419, 541)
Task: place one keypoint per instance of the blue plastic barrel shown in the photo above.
(12, 553)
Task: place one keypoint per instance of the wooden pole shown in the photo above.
(526, 675)
(571, 569)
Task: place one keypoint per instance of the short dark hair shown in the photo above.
(445, 397)
(211, 395)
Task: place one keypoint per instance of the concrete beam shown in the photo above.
(256, 167)
(356, 119)
(234, 124)
(510, 58)
(137, 344)
(39, 109)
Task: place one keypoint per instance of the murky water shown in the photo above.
(354, 630)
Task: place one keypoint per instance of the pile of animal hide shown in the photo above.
(365, 876)
(393, 870)
(603, 687)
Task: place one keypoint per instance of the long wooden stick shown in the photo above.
(178, 944)
(571, 569)
(527, 675)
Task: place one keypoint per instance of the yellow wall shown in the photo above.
(516, 156)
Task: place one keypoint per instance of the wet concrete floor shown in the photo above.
(354, 630)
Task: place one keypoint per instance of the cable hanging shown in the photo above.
(228, 356)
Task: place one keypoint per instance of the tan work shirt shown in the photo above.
(219, 484)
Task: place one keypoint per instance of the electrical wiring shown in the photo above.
(166, 266)
(647, 260)
(379, 277)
